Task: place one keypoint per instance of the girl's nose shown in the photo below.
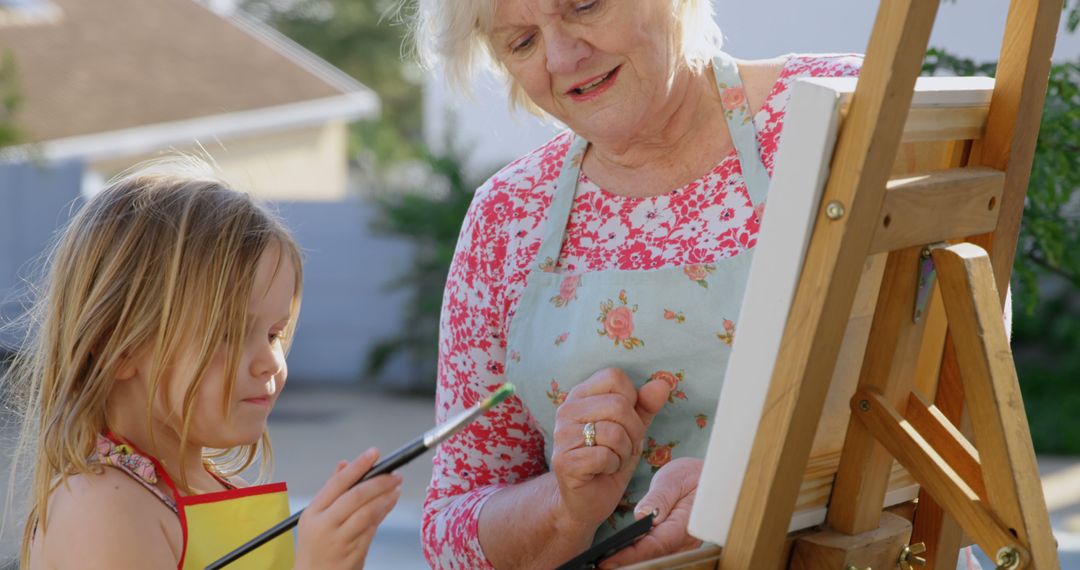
(564, 50)
(268, 361)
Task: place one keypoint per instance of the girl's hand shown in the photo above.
(671, 493)
(592, 480)
(336, 529)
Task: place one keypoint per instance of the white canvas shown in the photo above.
(801, 170)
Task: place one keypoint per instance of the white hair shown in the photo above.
(454, 35)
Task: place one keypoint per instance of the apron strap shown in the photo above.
(562, 202)
(743, 135)
(741, 126)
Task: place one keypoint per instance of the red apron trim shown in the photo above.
(234, 494)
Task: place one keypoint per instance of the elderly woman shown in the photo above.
(602, 273)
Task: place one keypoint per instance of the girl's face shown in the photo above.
(603, 67)
(260, 376)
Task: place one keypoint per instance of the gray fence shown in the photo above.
(348, 306)
(35, 200)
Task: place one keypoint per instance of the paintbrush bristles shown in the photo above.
(501, 394)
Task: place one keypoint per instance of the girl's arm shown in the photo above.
(108, 521)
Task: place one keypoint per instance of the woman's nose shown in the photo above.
(564, 50)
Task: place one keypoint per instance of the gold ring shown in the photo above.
(589, 431)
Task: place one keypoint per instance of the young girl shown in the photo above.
(157, 354)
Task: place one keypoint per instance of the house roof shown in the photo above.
(126, 66)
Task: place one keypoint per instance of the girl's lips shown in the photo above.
(575, 94)
(259, 401)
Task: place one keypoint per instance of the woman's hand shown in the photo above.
(671, 494)
(592, 480)
(336, 529)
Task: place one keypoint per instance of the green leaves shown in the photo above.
(9, 100)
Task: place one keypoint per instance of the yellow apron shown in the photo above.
(215, 524)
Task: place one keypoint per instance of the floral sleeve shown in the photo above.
(503, 447)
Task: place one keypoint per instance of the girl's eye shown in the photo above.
(522, 44)
(276, 336)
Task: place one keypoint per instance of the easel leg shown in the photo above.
(992, 391)
(932, 525)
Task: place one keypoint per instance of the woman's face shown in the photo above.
(603, 67)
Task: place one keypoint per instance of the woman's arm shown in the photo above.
(502, 448)
(490, 500)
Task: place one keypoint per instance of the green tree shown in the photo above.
(363, 40)
(9, 100)
(431, 222)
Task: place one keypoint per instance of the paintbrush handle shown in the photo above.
(398, 458)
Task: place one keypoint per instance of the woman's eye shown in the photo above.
(582, 7)
(522, 44)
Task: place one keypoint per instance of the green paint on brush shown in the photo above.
(501, 394)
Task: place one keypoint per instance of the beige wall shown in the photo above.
(302, 164)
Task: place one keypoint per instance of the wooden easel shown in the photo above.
(990, 488)
(993, 493)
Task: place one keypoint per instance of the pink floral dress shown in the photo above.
(694, 234)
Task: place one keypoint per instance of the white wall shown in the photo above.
(309, 163)
(968, 28)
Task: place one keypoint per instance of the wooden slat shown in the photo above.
(888, 367)
(940, 533)
(1012, 126)
(948, 441)
(866, 150)
(938, 206)
(945, 123)
(1002, 435)
(931, 470)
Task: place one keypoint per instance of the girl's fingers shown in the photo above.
(342, 479)
(359, 496)
(368, 517)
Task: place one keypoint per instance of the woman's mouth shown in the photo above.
(593, 87)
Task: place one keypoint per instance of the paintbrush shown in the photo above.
(403, 455)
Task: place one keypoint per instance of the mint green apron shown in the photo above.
(675, 323)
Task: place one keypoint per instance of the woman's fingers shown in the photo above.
(605, 381)
(651, 399)
(584, 463)
(573, 415)
(342, 479)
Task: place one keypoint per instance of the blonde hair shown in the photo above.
(166, 249)
(455, 35)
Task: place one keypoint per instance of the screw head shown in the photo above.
(834, 210)
(1007, 558)
(864, 405)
